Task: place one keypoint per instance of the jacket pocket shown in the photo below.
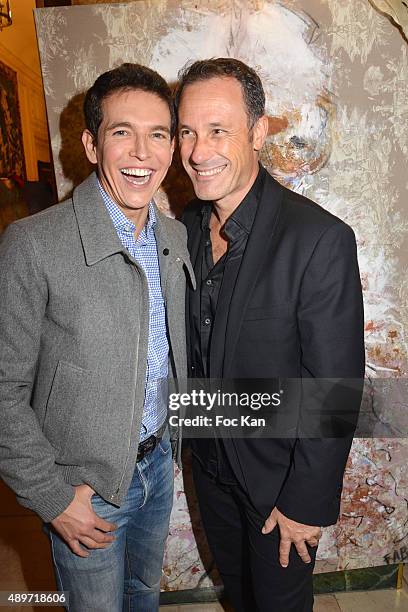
(68, 384)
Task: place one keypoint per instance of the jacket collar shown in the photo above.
(98, 234)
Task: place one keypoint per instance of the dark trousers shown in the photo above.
(248, 560)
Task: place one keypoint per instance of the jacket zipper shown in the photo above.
(133, 408)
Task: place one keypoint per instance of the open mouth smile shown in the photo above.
(137, 176)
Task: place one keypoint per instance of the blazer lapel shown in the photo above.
(194, 238)
(256, 251)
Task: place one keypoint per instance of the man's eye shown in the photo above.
(184, 133)
(159, 135)
(218, 131)
(120, 133)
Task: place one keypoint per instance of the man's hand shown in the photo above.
(79, 524)
(292, 532)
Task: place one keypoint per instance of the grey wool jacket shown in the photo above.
(73, 349)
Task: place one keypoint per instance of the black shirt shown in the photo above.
(211, 301)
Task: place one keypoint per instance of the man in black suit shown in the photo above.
(279, 295)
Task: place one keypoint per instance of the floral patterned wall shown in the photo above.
(335, 73)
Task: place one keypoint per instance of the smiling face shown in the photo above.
(217, 148)
(133, 150)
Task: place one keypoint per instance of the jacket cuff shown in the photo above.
(51, 503)
(315, 512)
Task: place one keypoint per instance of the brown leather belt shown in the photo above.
(148, 445)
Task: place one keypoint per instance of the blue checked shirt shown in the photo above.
(144, 251)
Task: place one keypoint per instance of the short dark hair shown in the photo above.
(125, 78)
(252, 89)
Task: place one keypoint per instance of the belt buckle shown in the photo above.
(150, 443)
(145, 447)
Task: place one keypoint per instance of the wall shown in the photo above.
(18, 49)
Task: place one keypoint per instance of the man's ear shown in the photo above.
(260, 132)
(88, 141)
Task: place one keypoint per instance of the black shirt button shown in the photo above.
(209, 282)
(207, 321)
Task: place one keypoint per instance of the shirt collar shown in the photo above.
(119, 219)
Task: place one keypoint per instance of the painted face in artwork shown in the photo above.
(299, 141)
(298, 106)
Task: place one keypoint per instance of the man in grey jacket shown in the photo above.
(92, 319)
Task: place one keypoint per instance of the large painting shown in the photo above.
(335, 75)
(11, 137)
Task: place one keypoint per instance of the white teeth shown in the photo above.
(210, 172)
(136, 171)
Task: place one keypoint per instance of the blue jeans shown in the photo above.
(126, 575)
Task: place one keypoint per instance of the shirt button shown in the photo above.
(128, 228)
(209, 282)
(207, 242)
(207, 321)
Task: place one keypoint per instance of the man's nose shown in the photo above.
(201, 151)
(140, 148)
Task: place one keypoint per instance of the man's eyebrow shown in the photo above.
(126, 124)
(117, 124)
(213, 124)
(161, 128)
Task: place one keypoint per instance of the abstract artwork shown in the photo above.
(396, 10)
(335, 75)
(11, 137)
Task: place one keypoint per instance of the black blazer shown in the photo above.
(296, 312)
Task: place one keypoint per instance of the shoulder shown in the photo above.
(31, 245)
(61, 218)
(303, 215)
(53, 221)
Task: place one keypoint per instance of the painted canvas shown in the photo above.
(335, 75)
(11, 137)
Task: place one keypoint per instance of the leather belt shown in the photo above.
(148, 445)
